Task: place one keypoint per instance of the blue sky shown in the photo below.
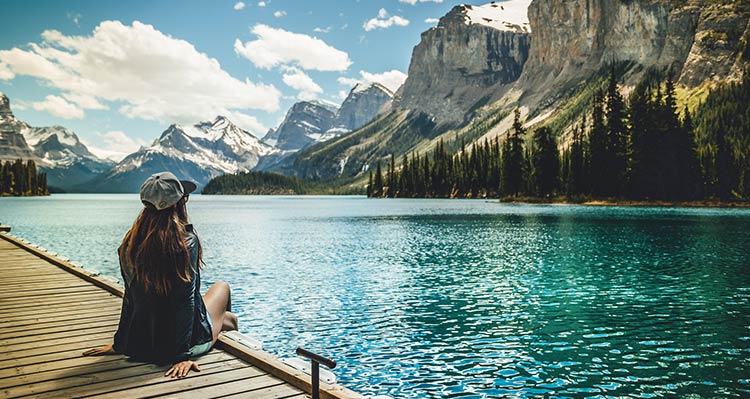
(118, 73)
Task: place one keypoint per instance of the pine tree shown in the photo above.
(546, 162)
(513, 158)
(377, 189)
(599, 167)
(617, 140)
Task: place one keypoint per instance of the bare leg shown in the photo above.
(218, 302)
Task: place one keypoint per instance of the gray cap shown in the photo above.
(163, 190)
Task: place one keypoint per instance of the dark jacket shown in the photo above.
(162, 329)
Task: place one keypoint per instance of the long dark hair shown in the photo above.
(155, 248)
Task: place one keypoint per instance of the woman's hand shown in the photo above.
(102, 350)
(181, 369)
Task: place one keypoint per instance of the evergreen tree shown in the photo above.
(599, 160)
(617, 140)
(513, 158)
(546, 162)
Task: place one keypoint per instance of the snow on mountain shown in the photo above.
(56, 150)
(305, 123)
(199, 152)
(508, 15)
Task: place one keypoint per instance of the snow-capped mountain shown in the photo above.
(55, 149)
(305, 123)
(199, 153)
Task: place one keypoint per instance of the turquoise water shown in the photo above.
(462, 298)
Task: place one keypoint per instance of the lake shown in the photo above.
(462, 298)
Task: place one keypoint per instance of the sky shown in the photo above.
(119, 73)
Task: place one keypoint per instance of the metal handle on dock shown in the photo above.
(316, 360)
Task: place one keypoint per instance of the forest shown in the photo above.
(645, 147)
(256, 183)
(19, 178)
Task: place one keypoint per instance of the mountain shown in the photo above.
(363, 103)
(308, 123)
(468, 60)
(305, 123)
(199, 153)
(468, 73)
(56, 150)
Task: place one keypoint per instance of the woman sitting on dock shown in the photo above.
(164, 318)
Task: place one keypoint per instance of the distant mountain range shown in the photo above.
(55, 149)
(199, 152)
(466, 76)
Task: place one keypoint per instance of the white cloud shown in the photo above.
(413, 2)
(247, 122)
(392, 79)
(115, 145)
(432, 20)
(239, 5)
(275, 47)
(343, 94)
(383, 21)
(300, 81)
(5, 72)
(322, 30)
(75, 17)
(261, 4)
(152, 75)
(58, 106)
(279, 14)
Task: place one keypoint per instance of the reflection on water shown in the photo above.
(435, 298)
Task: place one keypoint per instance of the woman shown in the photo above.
(164, 318)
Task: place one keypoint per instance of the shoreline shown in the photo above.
(627, 203)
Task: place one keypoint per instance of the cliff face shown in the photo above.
(573, 39)
(466, 60)
(363, 103)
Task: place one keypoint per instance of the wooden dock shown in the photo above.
(51, 311)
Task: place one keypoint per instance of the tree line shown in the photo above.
(645, 148)
(256, 183)
(21, 178)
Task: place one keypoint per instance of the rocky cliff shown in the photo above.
(362, 104)
(467, 60)
(697, 40)
(479, 63)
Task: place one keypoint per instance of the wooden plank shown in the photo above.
(51, 293)
(264, 386)
(49, 329)
(33, 313)
(67, 339)
(58, 364)
(56, 323)
(153, 383)
(61, 334)
(9, 283)
(27, 355)
(40, 321)
(57, 283)
(42, 305)
(79, 370)
(72, 377)
(67, 266)
(75, 353)
(11, 303)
